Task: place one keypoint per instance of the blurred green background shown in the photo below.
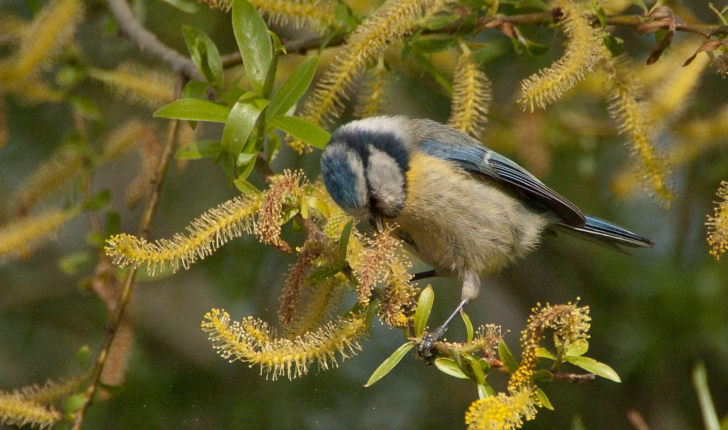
(655, 313)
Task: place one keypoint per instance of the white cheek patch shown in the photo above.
(386, 182)
(357, 168)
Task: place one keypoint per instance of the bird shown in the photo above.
(461, 208)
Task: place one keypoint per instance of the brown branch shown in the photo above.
(149, 211)
(148, 42)
(297, 46)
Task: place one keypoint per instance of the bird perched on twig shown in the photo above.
(461, 208)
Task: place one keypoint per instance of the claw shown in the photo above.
(428, 341)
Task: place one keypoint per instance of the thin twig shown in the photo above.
(298, 46)
(144, 225)
(148, 42)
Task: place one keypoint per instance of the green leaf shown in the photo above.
(424, 307)
(432, 44)
(194, 110)
(76, 262)
(532, 4)
(468, 325)
(700, 383)
(506, 357)
(474, 365)
(301, 129)
(83, 357)
(344, 240)
(293, 88)
(274, 145)
(204, 54)
(389, 363)
(576, 349)
(183, 5)
(485, 390)
(440, 21)
(541, 396)
(246, 164)
(449, 367)
(430, 68)
(542, 375)
(201, 149)
(318, 205)
(254, 43)
(241, 122)
(98, 201)
(324, 273)
(595, 367)
(245, 187)
(542, 352)
(74, 403)
(195, 90)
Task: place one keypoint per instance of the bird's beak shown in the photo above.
(379, 222)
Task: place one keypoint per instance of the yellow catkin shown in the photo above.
(21, 237)
(16, 410)
(32, 91)
(502, 412)
(317, 14)
(132, 134)
(392, 21)
(580, 56)
(371, 263)
(51, 391)
(670, 93)
(630, 113)
(137, 84)
(59, 170)
(48, 34)
(117, 362)
(320, 301)
(471, 96)
(570, 324)
(251, 341)
(13, 27)
(718, 223)
(374, 98)
(206, 234)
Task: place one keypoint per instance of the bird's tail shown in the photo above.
(605, 234)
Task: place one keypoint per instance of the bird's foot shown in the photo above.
(428, 342)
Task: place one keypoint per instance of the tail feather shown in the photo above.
(605, 234)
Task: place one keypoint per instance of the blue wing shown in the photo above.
(479, 160)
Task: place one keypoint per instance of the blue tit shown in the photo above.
(463, 209)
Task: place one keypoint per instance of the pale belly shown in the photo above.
(456, 223)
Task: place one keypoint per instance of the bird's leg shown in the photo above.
(435, 335)
(424, 275)
(471, 288)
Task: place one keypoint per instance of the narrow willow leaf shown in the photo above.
(468, 325)
(577, 348)
(542, 352)
(194, 110)
(449, 367)
(595, 367)
(201, 149)
(204, 54)
(241, 122)
(302, 129)
(389, 363)
(475, 367)
(344, 240)
(485, 390)
(293, 88)
(254, 43)
(424, 307)
(195, 90)
(541, 396)
(74, 403)
(700, 383)
(98, 201)
(506, 357)
(246, 187)
(183, 5)
(542, 375)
